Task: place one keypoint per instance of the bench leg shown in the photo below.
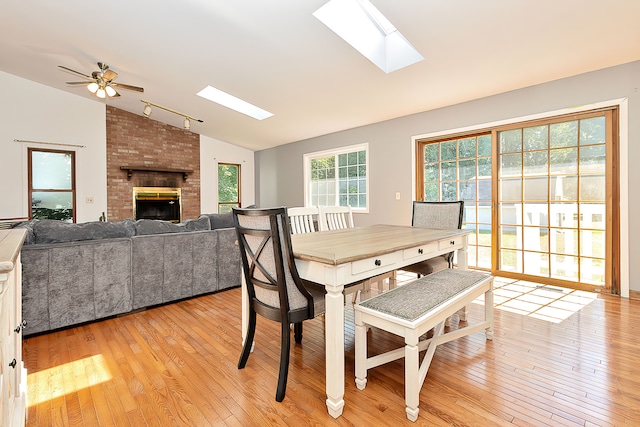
(361, 355)
(488, 312)
(412, 380)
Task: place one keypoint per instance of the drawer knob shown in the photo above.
(378, 262)
(451, 242)
(420, 251)
(17, 329)
(13, 363)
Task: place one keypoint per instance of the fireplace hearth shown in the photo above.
(157, 203)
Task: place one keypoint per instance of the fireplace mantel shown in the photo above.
(131, 169)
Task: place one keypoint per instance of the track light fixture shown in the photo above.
(187, 118)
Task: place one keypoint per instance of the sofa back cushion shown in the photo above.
(53, 231)
(224, 220)
(146, 227)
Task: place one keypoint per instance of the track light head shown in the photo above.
(187, 123)
(147, 110)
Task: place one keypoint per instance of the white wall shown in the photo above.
(212, 152)
(31, 111)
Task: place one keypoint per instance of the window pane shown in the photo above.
(592, 159)
(431, 153)
(564, 267)
(448, 171)
(563, 161)
(511, 164)
(511, 189)
(536, 214)
(536, 138)
(511, 213)
(484, 146)
(511, 141)
(563, 134)
(593, 215)
(592, 131)
(564, 187)
(536, 189)
(51, 171)
(564, 215)
(564, 241)
(468, 191)
(511, 237)
(449, 192)
(52, 205)
(484, 189)
(431, 172)
(592, 243)
(536, 162)
(448, 150)
(467, 169)
(484, 168)
(511, 260)
(536, 264)
(431, 192)
(484, 257)
(467, 148)
(593, 188)
(592, 271)
(536, 239)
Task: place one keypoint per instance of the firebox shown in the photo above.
(157, 203)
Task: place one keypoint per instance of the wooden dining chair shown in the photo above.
(274, 287)
(335, 217)
(341, 217)
(442, 216)
(303, 219)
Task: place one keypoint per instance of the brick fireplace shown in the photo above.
(142, 152)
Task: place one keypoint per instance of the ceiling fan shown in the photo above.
(101, 82)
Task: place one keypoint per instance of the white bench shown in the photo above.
(412, 310)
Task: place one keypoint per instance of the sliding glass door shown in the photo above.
(540, 197)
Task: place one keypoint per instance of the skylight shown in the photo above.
(237, 104)
(366, 29)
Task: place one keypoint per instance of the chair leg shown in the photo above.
(297, 332)
(248, 342)
(284, 362)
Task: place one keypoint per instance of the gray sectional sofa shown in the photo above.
(76, 273)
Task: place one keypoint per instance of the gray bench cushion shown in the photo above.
(410, 301)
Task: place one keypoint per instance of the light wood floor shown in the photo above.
(177, 365)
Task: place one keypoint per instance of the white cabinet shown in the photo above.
(13, 375)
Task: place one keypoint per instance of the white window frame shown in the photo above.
(306, 165)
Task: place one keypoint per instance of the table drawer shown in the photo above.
(372, 263)
(420, 251)
(453, 241)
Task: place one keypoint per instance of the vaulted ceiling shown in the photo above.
(278, 56)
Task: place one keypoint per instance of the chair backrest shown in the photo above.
(440, 215)
(273, 284)
(303, 219)
(335, 217)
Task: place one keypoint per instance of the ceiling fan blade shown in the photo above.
(109, 75)
(78, 83)
(74, 72)
(127, 87)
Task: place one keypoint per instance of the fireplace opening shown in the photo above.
(157, 203)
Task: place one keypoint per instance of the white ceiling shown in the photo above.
(276, 55)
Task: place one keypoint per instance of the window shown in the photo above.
(228, 187)
(338, 178)
(52, 184)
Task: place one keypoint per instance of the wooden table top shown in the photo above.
(353, 244)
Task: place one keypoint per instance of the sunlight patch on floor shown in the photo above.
(67, 378)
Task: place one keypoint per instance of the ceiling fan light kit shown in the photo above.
(101, 82)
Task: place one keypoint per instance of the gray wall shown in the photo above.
(279, 178)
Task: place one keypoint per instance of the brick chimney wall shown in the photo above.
(135, 140)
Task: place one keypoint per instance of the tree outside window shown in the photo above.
(228, 187)
(51, 184)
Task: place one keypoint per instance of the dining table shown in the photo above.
(339, 257)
